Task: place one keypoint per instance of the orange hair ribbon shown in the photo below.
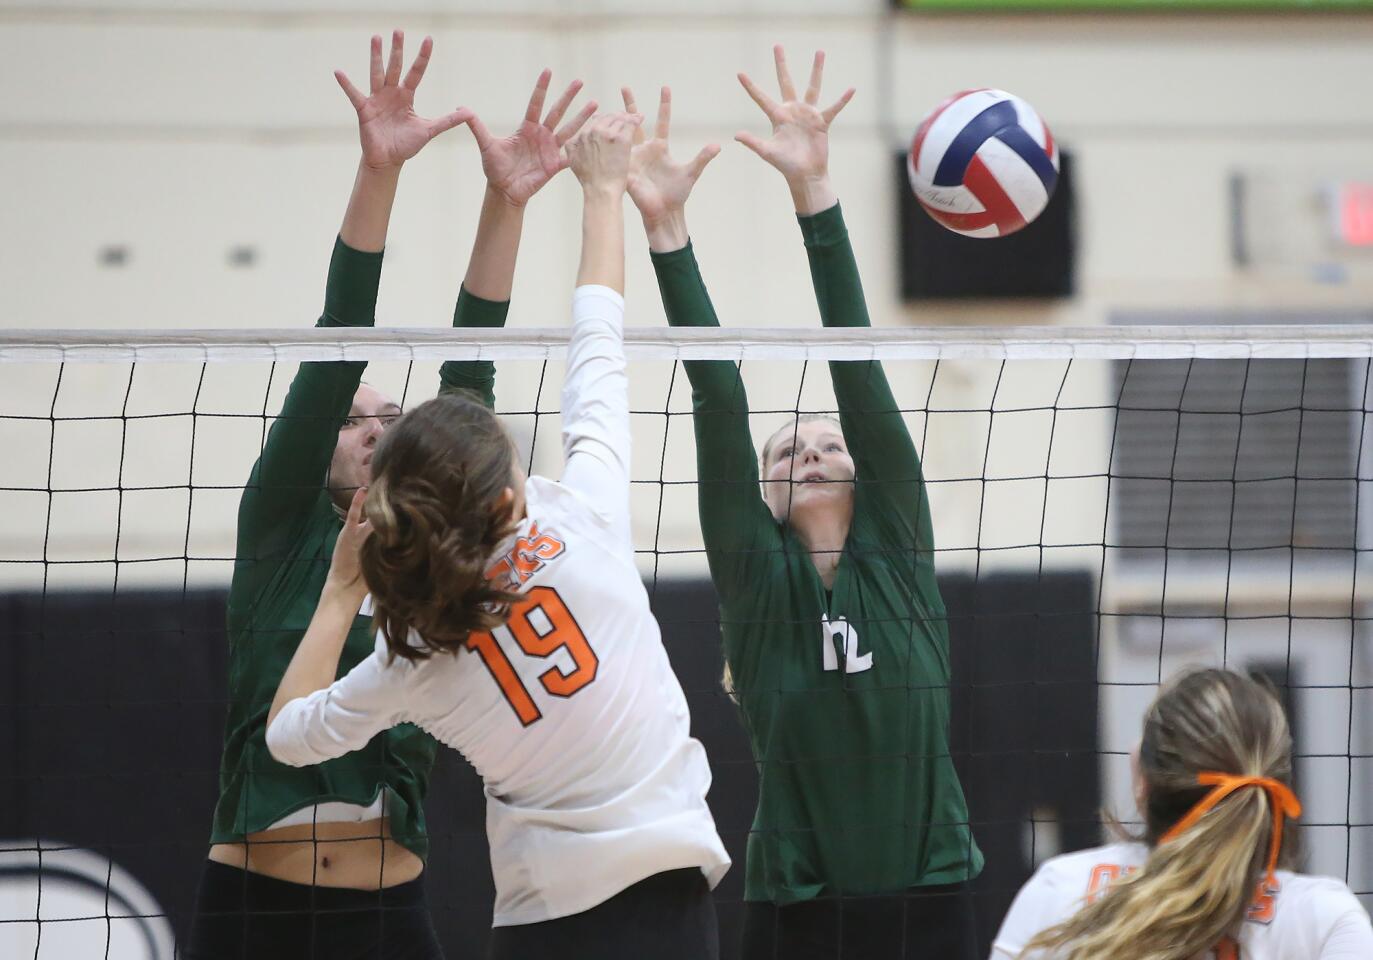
(1280, 797)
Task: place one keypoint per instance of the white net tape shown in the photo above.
(648, 343)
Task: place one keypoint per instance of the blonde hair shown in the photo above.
(1195, 889)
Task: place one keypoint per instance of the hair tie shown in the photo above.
(1280, 797)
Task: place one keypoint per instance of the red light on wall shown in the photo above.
(1354, 214)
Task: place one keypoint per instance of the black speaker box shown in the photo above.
(1036, 261)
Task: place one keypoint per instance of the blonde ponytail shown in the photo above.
(1196, 885)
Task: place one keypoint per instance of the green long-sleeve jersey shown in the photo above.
(287, 527)
(844, 693)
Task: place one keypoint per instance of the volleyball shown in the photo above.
(983, 163)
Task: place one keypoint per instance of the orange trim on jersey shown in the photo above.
(1280, 797)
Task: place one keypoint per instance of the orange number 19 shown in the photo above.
(556, 630)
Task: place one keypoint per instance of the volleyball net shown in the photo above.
(1109, 506)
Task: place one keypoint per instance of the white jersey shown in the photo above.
(1302, 918)
(570, 712)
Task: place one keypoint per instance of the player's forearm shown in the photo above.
(833, 269)
(737, 528)
(685, 297)
(860, 387)
(484, 299)
(874, 426)
(475, 376)
(315, 663)
(369, 208)
(301, 441)
(491, 269)
(687, 303)
(603, 239)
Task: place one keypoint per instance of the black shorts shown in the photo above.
(669, 916)
(246, 916)
(924, 923)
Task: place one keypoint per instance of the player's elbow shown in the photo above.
(282, 743)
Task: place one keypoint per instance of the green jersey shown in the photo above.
(287, 526)
(844, 693)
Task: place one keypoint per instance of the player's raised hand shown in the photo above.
(599, 155)
(799, 145)
(390, 130)
(658, 184)
(345, 570)
(517, 166)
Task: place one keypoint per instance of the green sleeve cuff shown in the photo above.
(664, 260)
(473, 311)
(350, 296)
(823, 228)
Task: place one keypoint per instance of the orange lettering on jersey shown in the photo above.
(527, 557)
(1103, 875)
(1227, 949)
(1263, 909)
(1265, 905)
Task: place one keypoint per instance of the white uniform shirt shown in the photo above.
(570, 712)
(1305, 918)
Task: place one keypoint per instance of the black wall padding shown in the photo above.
(111, 714)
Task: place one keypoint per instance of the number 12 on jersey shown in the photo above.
(541, 625)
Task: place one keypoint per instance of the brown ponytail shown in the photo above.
(1195, 888)
(438, 512)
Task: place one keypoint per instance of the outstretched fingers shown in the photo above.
(698, 163)
(817, 71)
(449, 121)
(766, 103)
(416, 72)
(555, 115)
(535, 108)
(354, 95)
(393, 63)
(479, 132)
(754, 142)
(377, 77)
(837, 106)
(664, 123)
(784, 84)
(569, 129)
(627, 95)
